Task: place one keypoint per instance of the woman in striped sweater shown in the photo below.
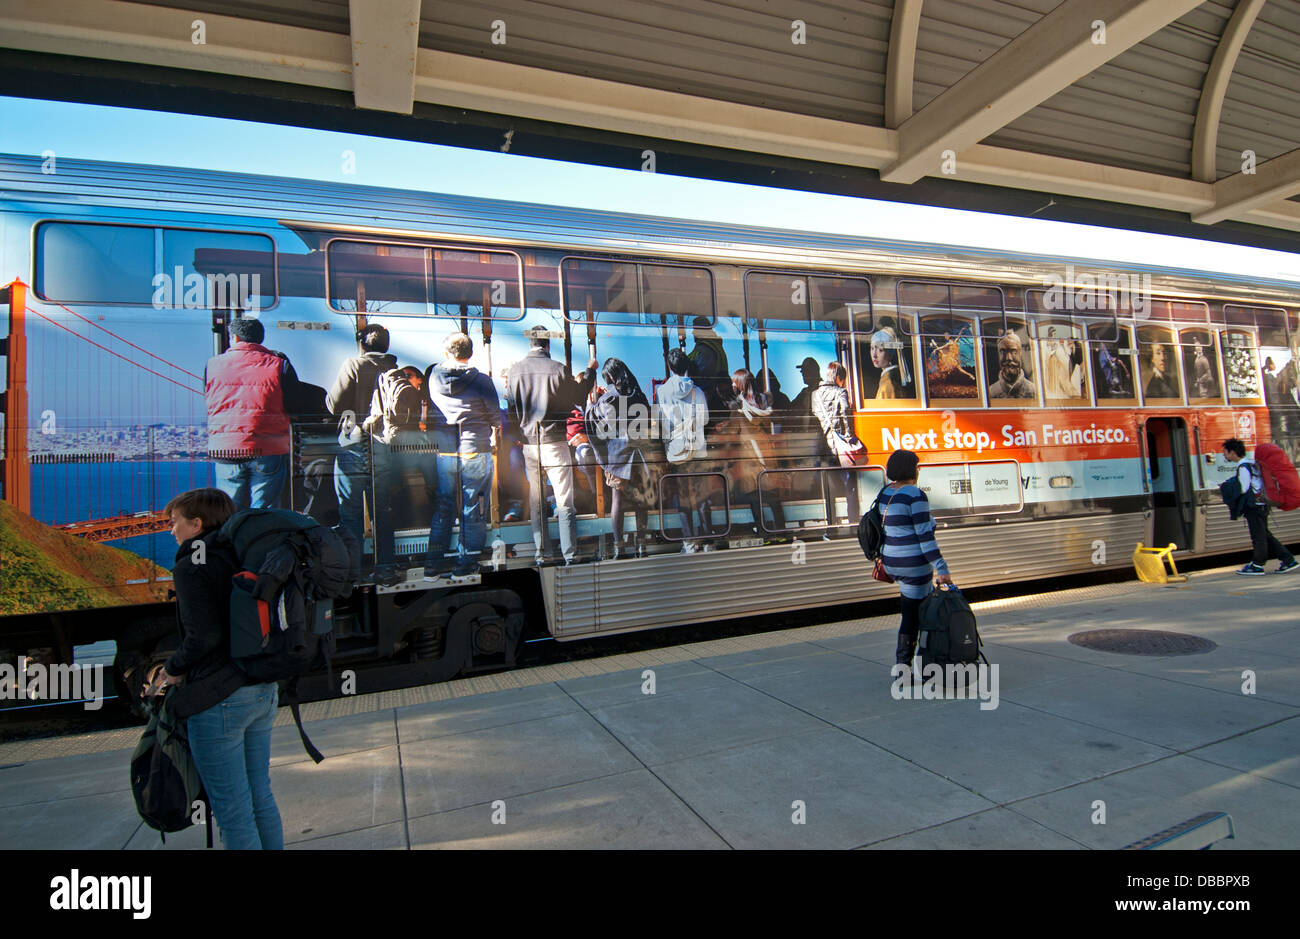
(911, 553)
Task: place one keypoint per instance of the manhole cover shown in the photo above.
(1142, 642)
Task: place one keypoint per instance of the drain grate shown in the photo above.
(1142, 642)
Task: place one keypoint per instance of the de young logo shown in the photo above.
(181, 291)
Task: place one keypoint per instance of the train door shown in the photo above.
(1169, 470)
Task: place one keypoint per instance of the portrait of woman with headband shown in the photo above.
(895, 379)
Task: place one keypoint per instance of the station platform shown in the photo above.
(787, 739)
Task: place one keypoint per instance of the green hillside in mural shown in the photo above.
(43, 569)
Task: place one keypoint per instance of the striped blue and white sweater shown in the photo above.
(910, 549)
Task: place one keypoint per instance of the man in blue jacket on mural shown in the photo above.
(468, 400)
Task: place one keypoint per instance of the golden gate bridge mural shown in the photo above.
(116, 496)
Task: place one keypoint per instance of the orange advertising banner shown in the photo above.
(1040, 435)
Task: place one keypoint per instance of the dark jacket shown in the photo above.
(541, 396)
(355, 385)
(203, 614)
(467, 399)
(830, 404)
(616, 441)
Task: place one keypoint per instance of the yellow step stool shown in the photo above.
(1150, 565)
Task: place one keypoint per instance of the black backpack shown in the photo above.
(871, 530)
(289, 569)
(164, 778)
(948, 635)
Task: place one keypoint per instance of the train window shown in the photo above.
(477, 284)
(1112, 352)
(915, 297)
(84, 263)
(606, 290)
(1097, 310)
(241, 267)
(541, 281)
(371, 276)
(1271, 323)
(1158, 366)
(1182, 311)
(1064, 366)
(631, 293)
(887, 366)
(677, 294)
(815, 497)
(1200, 354)
(1009, 361)
(786, 300)
(835, 302)
(1241, 363)
(775, 300)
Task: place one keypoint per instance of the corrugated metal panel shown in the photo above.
(954, 37)
(330, 16)
(1223, 534)
(732, 51)
(679, 589)
(1136, 111)
(1261, 110)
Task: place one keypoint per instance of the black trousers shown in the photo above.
(911, 624)
(1263, 541)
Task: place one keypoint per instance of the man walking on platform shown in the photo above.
(248, 425)
(1264, 543)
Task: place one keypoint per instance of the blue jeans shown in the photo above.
(351, 483)
(470, 474)
(409, 450)
(231, 743)
(253, 483)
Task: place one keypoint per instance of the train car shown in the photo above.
(1064, 410)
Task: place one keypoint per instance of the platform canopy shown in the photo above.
(1162, 115)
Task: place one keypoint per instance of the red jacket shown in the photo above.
(244, 390)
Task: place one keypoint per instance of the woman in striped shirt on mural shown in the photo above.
(911, 554)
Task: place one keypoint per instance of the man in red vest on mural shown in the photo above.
(248, 426)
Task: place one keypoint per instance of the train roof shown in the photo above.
(306, 205)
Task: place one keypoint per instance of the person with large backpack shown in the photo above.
(910, 552)
(1254, 506)
(407, 433)
(228, 713)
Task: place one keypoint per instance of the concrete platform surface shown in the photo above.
(788, 739)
